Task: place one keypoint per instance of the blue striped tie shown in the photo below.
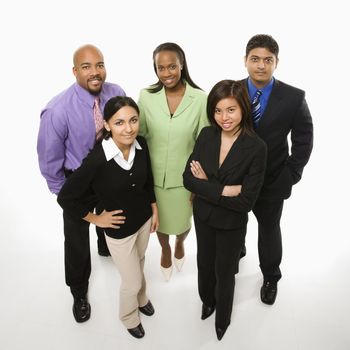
(256, 108)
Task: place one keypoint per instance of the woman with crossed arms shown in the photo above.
(225, 173)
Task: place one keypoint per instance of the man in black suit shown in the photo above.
(278, 110)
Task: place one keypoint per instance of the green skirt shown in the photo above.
(174, 210)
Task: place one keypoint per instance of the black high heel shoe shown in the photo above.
(207, 311)
(220, 331)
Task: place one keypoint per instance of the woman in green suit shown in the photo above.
(172, 113)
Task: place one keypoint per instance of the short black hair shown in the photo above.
(262, 40)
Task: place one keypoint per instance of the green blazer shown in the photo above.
(171, 138)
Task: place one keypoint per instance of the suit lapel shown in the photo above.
(186, 101)
(211, 151)
(162, 101)
(272, 106)
(238, 154)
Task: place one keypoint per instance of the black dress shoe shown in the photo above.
(207, 311)
(137, 332)
(268, 292)
(220, 331)
(243, 252)
(81, 309)
(148, 309)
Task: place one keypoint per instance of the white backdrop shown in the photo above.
(38, 39)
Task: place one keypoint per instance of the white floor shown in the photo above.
(311, 311)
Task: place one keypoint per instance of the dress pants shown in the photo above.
(218, 253)
(268, 214)
(76, 255)
(101, 240)
(129, 255)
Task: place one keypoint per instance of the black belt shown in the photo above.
(67, 172)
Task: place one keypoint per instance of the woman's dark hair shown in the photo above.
(236, 89)
(112, 106)
(185, 75)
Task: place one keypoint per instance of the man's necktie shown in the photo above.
(98, 117)
(256, 108)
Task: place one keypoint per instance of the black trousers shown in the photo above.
(77, 258)
(218, 254)
(101, 239)
(268, 214)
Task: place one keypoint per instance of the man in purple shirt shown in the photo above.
(67, 133)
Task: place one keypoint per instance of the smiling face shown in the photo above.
(228, 115)
(89, 69)
(168, 67)
(261, 63)
(123, 126)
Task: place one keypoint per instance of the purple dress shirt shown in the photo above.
(67, 131)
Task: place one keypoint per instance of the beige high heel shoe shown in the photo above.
(166, 271)
(179, 263)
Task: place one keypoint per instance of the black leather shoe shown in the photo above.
(207, 311)
(81, 309)
(220, 331)
(243, 252)
(137, 332)
(268, 292)
(148, 309)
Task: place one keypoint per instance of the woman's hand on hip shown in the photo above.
(107, 219)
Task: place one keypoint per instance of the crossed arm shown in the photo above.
(228, 190)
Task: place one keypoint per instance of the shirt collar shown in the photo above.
(252, 89)
(89, 98)
(111, 149)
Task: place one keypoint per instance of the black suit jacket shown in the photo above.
(286, 112)
(244, 164)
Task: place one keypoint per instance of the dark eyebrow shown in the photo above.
(134, 116)
(170, 64)
(89, 63)
(264, 58)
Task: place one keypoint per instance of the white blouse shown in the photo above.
(111, 150)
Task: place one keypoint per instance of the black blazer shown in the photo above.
(244, 164)
(286, 112)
